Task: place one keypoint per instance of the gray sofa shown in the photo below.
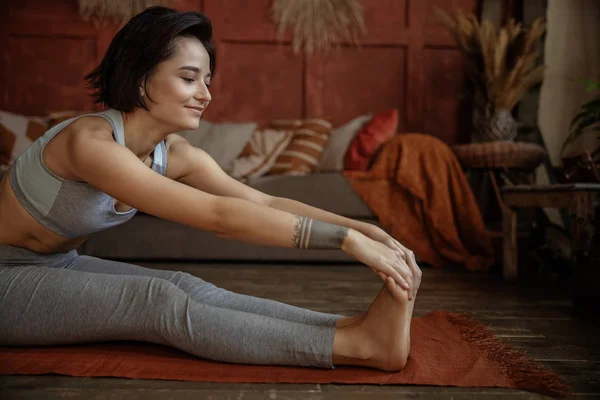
(146, 237)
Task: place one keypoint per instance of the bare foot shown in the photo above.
(345, 321)
(381, 339)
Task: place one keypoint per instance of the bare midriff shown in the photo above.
(18, 228)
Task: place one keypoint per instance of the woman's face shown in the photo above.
(179, 86)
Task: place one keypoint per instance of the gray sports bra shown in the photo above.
(70, 209)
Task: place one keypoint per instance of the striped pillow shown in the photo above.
(304, 151)
(288, 125)
(263, 148)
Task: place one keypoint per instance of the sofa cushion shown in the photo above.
(222, 141)
(332, 159)
(328, 191)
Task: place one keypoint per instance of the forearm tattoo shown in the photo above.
(314, 234)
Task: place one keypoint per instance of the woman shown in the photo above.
(95, 171)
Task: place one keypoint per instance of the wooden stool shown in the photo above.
(489, 163)
(576, 197)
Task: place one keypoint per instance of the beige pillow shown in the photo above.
(332, 159)
(17, 133)
(263, 149)
(223, 141)
(304, 151)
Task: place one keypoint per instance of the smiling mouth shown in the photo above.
(199, 109)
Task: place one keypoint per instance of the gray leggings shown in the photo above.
(66, 298)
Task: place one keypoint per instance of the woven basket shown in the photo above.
(500, 154)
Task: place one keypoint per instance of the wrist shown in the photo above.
(365, 228)
(352, 237)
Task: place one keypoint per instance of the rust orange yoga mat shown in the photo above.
(447, 349)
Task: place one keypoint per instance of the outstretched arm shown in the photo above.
(115, 170)
(194, 167)
(313, 228)
(245, 206)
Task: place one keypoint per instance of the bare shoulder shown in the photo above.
(91, 127)
(181, 155)
(179, 148)
(59, 156)
(177, 145)
(174, 139)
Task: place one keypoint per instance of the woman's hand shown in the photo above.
(382, 259)
(378, 234)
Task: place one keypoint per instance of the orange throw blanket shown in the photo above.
(419, 192)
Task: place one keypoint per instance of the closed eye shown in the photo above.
(190, 80)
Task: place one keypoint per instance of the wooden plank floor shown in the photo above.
(535, 318)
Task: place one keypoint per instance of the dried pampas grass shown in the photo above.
(120, 11)
(319, 23)
(503, 65)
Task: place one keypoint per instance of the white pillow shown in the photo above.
(332, 158)
(223, 141)
(17, 133)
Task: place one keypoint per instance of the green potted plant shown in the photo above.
(584, 167)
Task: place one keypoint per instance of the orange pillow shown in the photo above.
(367, 142)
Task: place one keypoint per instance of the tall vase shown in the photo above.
(501, 126)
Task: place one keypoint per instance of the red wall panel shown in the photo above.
(350, 82)
(256, 83)
(49, 71)
(405, 61)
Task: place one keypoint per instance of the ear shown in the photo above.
(143, 84)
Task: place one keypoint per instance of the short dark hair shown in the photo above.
(139, 46)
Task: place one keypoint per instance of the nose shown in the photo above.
(203, 94)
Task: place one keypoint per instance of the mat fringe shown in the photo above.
(526, 373)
